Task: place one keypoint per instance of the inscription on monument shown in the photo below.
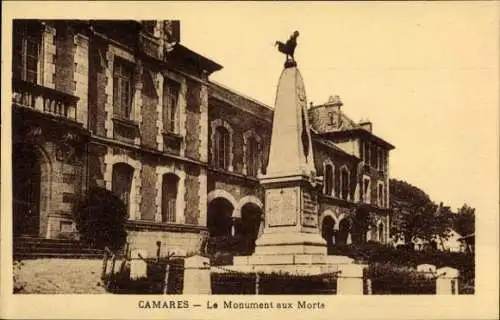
(282, 210)
(309, 214)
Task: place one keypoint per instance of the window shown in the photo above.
(328, 179)
(170, 184)
(26, 45)
(344, 177)
(253, 153)
(122, 89)
(366, 190)
(361, 150)
(380, 195)
(367, 152)
(374, 156)
(171, 91)
(222, 148)
(337, 183)
(122, 183)
(384, 159)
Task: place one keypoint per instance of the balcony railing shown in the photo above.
(43, 99)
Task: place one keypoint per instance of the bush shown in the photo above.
(100, 218)
(153, 283)
(388, 278)
(274, 283)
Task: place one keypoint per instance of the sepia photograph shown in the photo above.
(316, 150)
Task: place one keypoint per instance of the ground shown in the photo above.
(54, 276)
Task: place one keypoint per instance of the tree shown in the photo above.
(415, 215)
(464, 220)
(100, 218)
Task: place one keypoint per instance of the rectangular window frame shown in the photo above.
(123, 89)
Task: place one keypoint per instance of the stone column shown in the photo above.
(350, 279)
(447, 281)
(197, 275)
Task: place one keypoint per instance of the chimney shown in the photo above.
(367, 125)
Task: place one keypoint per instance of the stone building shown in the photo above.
(125, 106)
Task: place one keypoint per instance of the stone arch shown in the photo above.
(180, 206)
(213, 126)
(250, 221)
(43, 182)
(337, 217)
(245, 200)
(219, 193)
(343, 234)
(135, 192)
(221, 206)
(246, 136)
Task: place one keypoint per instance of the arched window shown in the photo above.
(252, 155)
(221, 148)
(344, 177)
(170, 183)
(122, 182)
(336, 179)
(328, 179)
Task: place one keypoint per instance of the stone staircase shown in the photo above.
(31, 248)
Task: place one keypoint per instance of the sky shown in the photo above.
(426, 75)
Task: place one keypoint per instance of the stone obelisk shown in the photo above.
(291, 241)
(291, 224)
(291, 236)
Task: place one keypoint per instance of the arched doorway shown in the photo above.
(343, 232)
(327, 233)
(26, 190)
(219, 224)
(249, 225)
(219, 219)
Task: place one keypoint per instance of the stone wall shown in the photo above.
(186, 242)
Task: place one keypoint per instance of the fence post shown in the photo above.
(158, 250)
(197, 275)
(257, 283)
(447, 281)
(104, 265)
(369, 290)
(165, 282)
(138, 267)
(350, 279)
(113, 260)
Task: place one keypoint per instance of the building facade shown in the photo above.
(125, 106)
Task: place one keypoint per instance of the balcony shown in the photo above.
(44, 100)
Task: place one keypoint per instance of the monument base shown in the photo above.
(298, 264)
(280, 243)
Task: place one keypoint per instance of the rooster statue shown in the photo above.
(288, 48)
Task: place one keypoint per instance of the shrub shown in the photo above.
(153, 283)
(388, 278)
(100, 218)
